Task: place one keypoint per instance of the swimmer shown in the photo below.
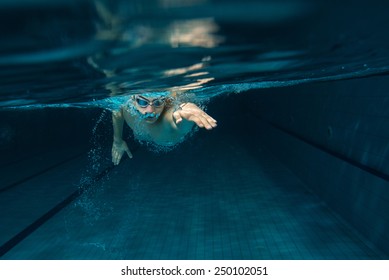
(153, 117)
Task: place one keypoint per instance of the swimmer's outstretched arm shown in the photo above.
(190, 112)
(119, 146)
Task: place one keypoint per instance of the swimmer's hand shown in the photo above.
(193, 113)
(118, 149)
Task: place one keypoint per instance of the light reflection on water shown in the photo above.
(94, 53)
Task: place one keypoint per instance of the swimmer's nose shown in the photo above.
(149, 109)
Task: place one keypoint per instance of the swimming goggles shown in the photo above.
(159, 102)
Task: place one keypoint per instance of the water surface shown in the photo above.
(94, 53)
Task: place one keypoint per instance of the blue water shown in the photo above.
(92, 53)
(234, 199)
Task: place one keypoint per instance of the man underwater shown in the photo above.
(154, 117)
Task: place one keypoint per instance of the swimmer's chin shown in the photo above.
(150, 120)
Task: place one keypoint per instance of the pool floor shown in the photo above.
(208, 199)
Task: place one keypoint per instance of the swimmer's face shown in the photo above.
(149, 108)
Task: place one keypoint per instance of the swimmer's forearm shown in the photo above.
(117, 121)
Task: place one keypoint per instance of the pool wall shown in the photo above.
(28, 132)
(332, 135)
(335, 137)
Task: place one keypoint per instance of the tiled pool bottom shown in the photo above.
(224, 201)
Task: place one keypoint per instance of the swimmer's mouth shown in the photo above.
(150, 116)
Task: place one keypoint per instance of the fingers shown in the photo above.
(210, 118)
(116, 157)
(209, 122)
(177, 117)
(129, 153)
(193, 113)
(204, 122)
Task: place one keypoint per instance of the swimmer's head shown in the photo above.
(149, 106)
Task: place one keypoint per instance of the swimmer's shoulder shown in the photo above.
(168, 119)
